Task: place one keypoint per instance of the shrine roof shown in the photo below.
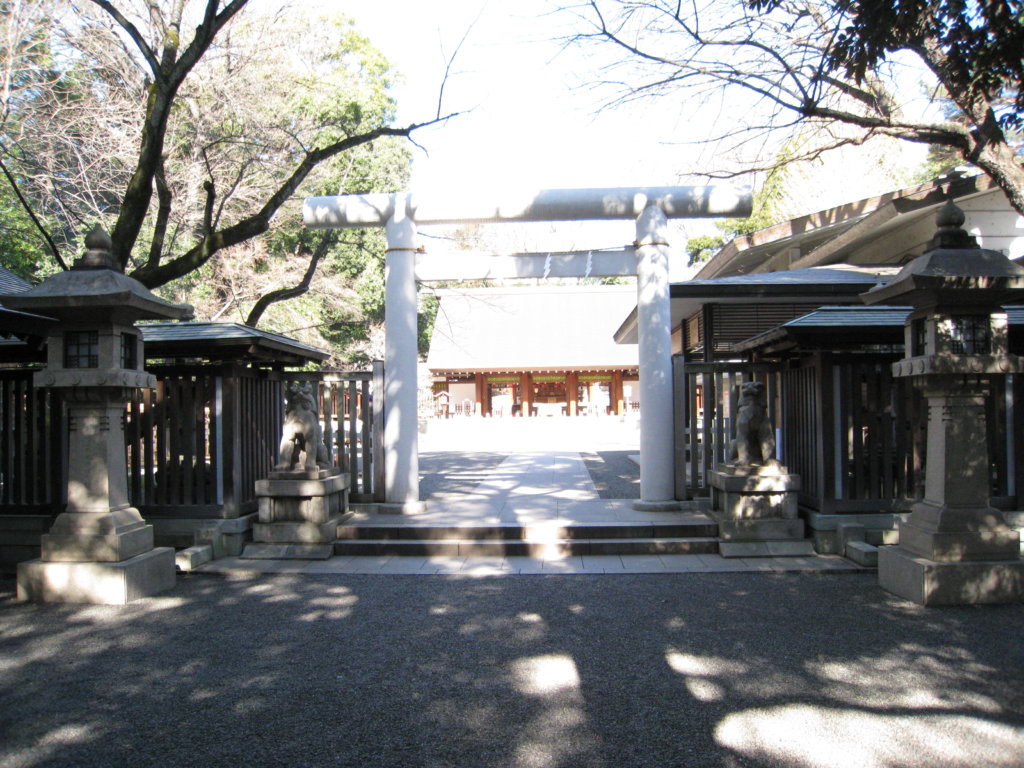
(225, 341)
(532, 329)
(845, 326)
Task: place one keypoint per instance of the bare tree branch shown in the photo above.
(259, 222)
(328, 239)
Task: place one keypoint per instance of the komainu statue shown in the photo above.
(302, 443)
(755, 438)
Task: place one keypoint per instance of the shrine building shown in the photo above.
(533, 351)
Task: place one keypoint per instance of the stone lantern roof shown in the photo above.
(953, 271)
(95, 288)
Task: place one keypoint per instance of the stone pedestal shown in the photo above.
(299, 513)
(755, 506)
(108, 583)
(99, 550)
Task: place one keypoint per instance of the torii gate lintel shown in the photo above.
(650, 207)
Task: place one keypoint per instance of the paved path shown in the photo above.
(531, 487)
(696, 670)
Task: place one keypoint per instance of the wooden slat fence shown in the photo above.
(198, 443)
(706, 397)
(32, 446)
(350, 412)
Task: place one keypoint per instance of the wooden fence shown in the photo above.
(854, 434)
(32, 446)
(196, 444)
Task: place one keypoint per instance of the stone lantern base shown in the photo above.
(950, 556)
(931, 582)
(97, 556)
(97, 582)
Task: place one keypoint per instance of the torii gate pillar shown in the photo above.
(654, 327)
(649, 206)
(401, 429)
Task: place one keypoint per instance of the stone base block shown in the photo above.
(102, 583)
(765, 548)
(659, 506)
(879, 528)
(398, 507)
(927, 582)
(296, 533)
(227, 536)
(301, 486)
(754, 479)
(998, 543)
(310, 509)
(288, 552)
(862, 553)
(100, 547)
(764, 529)
(190, 558)
(744, 493)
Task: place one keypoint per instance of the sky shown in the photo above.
(531, 111)
(530, 116)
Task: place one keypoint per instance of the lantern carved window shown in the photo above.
(81, 349)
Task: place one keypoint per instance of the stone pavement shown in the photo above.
(529, 473)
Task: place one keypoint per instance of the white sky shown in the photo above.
(531, 115)
(529, 118)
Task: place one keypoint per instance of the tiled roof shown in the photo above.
(851, 316)
(551, 328)
(840, 274)
(872, 317)
(11, 283)
(196, 335)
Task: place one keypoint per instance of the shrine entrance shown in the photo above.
(647, 259)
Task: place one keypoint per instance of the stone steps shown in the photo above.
(539, 541)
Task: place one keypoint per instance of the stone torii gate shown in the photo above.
(650, 207)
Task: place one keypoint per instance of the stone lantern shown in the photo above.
(954, 547)
(99, 550)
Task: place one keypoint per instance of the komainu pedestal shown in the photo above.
(299, 513)
(304, 498)
(753, 498)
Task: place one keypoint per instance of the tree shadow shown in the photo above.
(722, 670)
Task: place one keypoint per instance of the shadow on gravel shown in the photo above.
(710, 670)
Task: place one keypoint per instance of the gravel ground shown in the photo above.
(707, 670)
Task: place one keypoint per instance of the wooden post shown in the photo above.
(572, 393)
(481, 393)
(526, 394)
(618, 407)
